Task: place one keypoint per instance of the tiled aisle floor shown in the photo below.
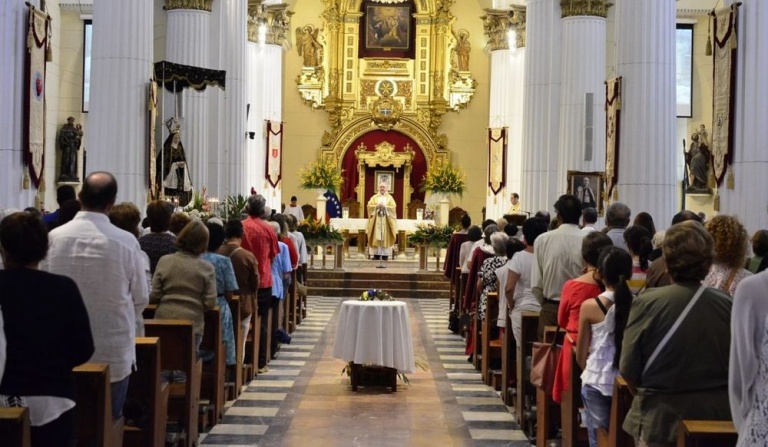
(304, 400)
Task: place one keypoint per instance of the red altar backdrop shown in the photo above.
(371, 139)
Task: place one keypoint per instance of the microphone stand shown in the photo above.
(381, 213)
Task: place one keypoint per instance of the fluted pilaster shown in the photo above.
(121, 65)
(232, 172)
(12, 25)
(582, 117)
(186, 43)
(541, 118)
(265, 86)
(646, 61)
(749, 199)
(506, 110)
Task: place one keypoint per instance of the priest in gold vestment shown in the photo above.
(382, 224)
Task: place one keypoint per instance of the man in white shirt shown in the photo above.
(557, 258)
(106, 263)
(589, 219)
(294, 209)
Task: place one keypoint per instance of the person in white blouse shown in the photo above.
(748, 369)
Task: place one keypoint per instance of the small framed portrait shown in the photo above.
(386, 177)
(588, 188)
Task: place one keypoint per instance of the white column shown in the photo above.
(582, 121)
(749, 199)
(13, 34)
(232, 167)
(506, 110)
(186, 43)
(121, 66)
(646, 61)
(541, 105)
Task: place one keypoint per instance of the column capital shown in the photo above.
(276, 20)
(597, 8)
(498, 22)
(199, 5)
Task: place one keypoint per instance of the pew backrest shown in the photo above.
(14, 426)
(94, 425)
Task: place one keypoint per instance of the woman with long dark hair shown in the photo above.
(601, 331)
(640, 246)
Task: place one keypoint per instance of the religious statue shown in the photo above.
(382, 224)
(171, 167)
(70, 137)
(697, 162)
(308, 45)
(462, 50)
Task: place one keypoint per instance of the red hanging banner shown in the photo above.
(274, 170)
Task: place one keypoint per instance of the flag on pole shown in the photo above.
(333, 205)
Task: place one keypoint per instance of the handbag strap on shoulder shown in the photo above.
(674, 327)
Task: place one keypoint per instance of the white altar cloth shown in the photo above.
(354, 225)
(375, 333)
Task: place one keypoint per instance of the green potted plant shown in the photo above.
(321, 175)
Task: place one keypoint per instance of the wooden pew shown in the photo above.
(460, 305)
(293, 303)
(252, 346)
(177, 344)
(573, 435)
(545, 406)
(490, 344)
(94, 425)
(706, 434)
(476, 329)
(213, 373)
(14, 426)
(303, 300)
(237, 375)
(529, 328)
(149, 311)
(148, 393)
(620, 405)
(508, 366)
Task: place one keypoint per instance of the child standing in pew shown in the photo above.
(601, 330)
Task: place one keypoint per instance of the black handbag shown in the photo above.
(465, 321)
(453, 322)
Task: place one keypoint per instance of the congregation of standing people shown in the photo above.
(680, 314)
(76, 281)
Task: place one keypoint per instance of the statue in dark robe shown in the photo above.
(70, 137)
(697, 162)
(172, 171)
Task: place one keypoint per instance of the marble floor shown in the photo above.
(305, 400)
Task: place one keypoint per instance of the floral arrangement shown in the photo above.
(321, 174)
(199, 207)
(203, 207)
(431, 235)
(376, 294)
(319, 233)
(233, 206)
(444, 178)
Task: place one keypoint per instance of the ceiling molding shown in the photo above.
(690, 12)
(79, 6)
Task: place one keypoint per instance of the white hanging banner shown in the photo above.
(274, 153)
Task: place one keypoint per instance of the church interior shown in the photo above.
(660, 105)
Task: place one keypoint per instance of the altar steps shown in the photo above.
(400, 285)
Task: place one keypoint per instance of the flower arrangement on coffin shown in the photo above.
(444, 178)
(318, 233)
(376, 294)
(431, 235)
(321, 174)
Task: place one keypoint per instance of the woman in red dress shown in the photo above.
(575, 292)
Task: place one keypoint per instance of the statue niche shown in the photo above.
(697, 162)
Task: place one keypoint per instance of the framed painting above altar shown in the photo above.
(388, 30)
(386, 177)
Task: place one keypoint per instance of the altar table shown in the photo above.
(375, 333)
(359, 227)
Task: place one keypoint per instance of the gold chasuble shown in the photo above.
(382, 224)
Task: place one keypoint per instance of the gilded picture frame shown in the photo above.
(388, 27)
(588, 187)
(387, 177)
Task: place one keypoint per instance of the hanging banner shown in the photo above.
(612, 133)
(274, 153)
(154, 189)
(725, 24)
(38, 41)
(497, 159)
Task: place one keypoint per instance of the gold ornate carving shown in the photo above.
(404, 89)
(274, 19)
(310, 82)
(496, 25)
(386, 112)
(598, 8)
(199, 5)
(518, 24)
(384, 154)
(308, 45)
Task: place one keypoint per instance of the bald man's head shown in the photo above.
(99, 192)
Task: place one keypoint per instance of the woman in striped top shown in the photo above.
(639, 243)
